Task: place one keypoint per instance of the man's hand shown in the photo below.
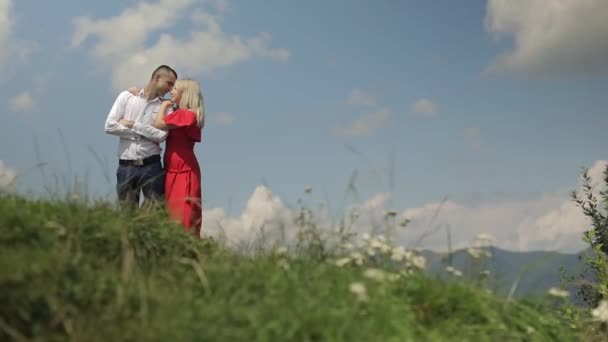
(134, 90)
(126, 123)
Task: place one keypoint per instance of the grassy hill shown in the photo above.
(93, 273)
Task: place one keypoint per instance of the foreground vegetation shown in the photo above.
(78, 272)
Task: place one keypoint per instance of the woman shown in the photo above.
(183, 176)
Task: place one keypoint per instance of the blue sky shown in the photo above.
(293, 89)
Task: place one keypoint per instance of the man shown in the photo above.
(131, 118)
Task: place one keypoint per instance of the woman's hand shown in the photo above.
(134, 90)
(126, 123)
(166, 104)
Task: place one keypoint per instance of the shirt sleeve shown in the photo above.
(116, 113)
(181, 118)
(150, 132)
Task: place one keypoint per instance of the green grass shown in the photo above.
(93, 273)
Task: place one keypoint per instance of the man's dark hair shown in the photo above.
(163, 68)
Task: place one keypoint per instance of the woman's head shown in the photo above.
(187, 94)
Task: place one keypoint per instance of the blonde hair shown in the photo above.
(192, 98)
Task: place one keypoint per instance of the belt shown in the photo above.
(140, 162)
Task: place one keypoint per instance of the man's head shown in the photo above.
(163, 79)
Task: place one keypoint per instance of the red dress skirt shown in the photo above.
(183, 175)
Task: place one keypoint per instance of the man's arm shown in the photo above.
(113, 125)
(150, 132)
(154, 132)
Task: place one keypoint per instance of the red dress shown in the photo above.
(183, 174)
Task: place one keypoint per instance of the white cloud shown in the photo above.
(120, 42)
(6, 24)
(378, 201)
(548, 222)
(425, 107)
(264, 212)
(223, 118)
(596, 173)
(551, 37)
(8, 177)
(365, 124)
(359, 98)
(22, 103)
(11, 49)
(516, 224)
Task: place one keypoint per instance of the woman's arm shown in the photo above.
(134, 90)
(160, 117)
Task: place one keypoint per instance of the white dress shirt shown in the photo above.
(143, 140)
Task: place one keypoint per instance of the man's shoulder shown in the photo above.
(123, 95)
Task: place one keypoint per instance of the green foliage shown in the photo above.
(593, 282)
(596, 209)
(70, 271)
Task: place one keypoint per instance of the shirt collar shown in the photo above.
(156, 99)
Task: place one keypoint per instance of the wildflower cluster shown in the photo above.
(378, 251)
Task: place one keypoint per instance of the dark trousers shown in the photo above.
(149, 178)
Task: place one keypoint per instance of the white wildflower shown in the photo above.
(282, 250)
(477, 252)
(554, 291)
(453, 271)
(360, 291)
(408, 255)
(419, 262)
(474, 252)
(483, 240)
(357, 258)
(8, 178)
(284, 264)
(601, 312)
(347, 246)
(375, 274)
(379, 243)
(406, 272)
(484, 237)
(342, 262)
(376, 244)
(61, 230)
(398, 253)
(385, 249)
(393, 276)
(356, 255)
(365, 237)
(397, 257)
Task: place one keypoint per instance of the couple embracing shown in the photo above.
(142, 119)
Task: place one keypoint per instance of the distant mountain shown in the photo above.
(535, 272)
